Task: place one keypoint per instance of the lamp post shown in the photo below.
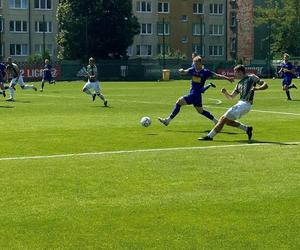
(44, 38)
(270, 43)
(164, 44)
(201, 34)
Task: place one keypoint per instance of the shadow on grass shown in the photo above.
(23, 101)
(267, 142)
(201, 132)
(6, 107)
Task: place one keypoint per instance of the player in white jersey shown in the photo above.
(93, 82)
(13, 73)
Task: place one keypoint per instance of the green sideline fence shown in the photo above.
(132, 70)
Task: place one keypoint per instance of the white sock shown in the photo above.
(11, 92)
(88, 92)
(101, 97)
(243, 127)
(212, 133)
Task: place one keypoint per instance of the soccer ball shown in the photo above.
(145, 121)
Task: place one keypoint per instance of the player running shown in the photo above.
(246, 87)
(210, 85)
(2, 77)
(47, 75)
(14, 73)
(93, 82)
(199, 76)
(287, 70)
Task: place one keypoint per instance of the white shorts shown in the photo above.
(17, 80)
(92, 85)
(238, 110)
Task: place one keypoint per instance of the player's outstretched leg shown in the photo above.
(42, 85)
(11, 93)
(207, 114)
(24, 87)
(175, 112)
(102, 97)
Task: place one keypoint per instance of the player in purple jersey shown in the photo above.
(287, 71)
(47, 75)
(210, 85)
(199, 76)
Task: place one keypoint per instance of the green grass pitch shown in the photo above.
(225, 194)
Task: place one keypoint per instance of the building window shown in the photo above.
(1, 25)
(38, 49)
(198, 8)
(184, 39)
(143, 6)
(144, 50)
(18, 4)
(18, 26)
(216, 9)
(233, 20)
(130, 51)
(160, 49)
(43, 4)
(216, 50)
(41, 27)
(198, 30)
(163, 29)
(216, 30)
(184, 18)
(163, 7)
(200, 50)
(2, 50)
(19, 49)
(146, 28)
(233, 45)
(1, 4)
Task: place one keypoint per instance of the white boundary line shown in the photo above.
(142, 151)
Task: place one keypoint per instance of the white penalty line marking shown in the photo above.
(143, 151)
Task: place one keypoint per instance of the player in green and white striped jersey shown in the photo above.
(246, 87)
(93, 82)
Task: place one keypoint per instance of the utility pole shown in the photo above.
(164, 44)
(44, 38)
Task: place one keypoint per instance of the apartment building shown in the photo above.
(240, 31)
(26, 27)
(185, 26)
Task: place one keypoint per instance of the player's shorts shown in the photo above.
(193, 99)
(286, 81)
(92, 85)
(48, 78)
(238, 110)
(17, 80)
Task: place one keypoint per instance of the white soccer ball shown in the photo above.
(145, 121)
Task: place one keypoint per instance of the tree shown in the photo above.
(283, 21)
(97, 28)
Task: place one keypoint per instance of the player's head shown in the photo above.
(194, 54)
(286, 56)
(198, 62)
(9, 60)
(92, 61)
(47, 61)
(240, 71)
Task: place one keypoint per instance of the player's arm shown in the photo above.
(262, 86)
(223, 77)
(183, 71)
(228, 95)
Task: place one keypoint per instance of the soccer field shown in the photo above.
(77, 175)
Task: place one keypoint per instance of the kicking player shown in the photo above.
(93, 82)
(287, 70)
(194, 54)
(13, 72)
(2, 77)
(246, 87)
(199, 76)
(47, 75)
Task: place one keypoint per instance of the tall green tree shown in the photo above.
(283, 21)
(98, 28)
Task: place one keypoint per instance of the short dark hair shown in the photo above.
(240, 68)
(197, 59)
